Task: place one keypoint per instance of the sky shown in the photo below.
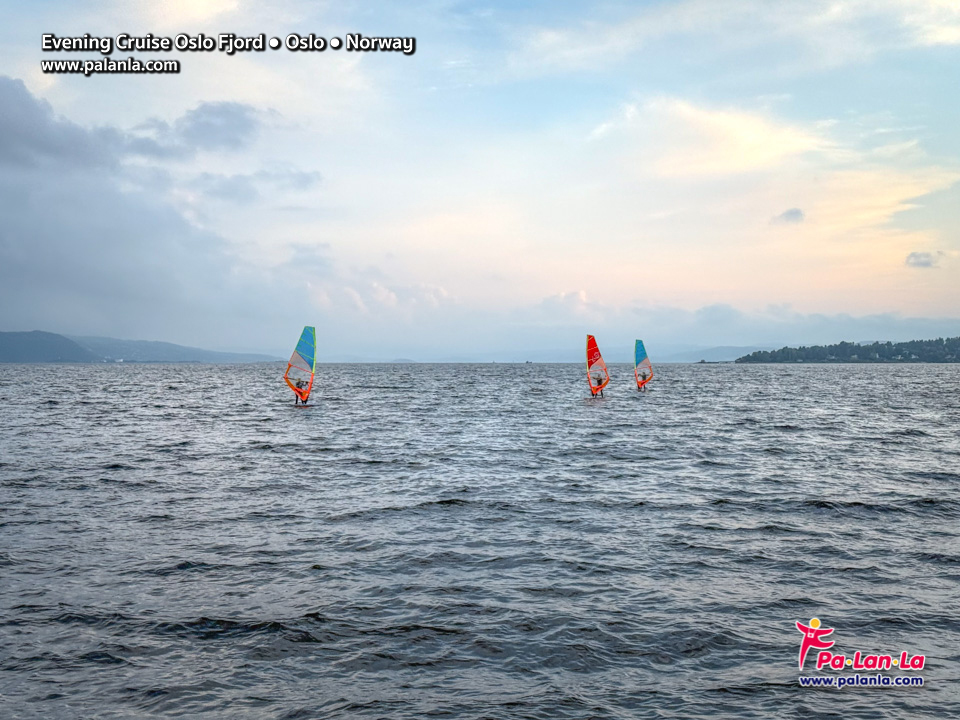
(694, 173)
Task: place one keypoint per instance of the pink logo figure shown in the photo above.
(812, 635)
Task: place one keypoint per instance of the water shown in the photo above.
(473, 541)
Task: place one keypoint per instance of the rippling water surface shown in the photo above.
(475, 541)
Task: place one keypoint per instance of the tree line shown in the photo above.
(927, 351)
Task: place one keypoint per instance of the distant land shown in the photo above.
(154, 351)
(45, 347)
(42, 347)
(914, 351)
(36, 346)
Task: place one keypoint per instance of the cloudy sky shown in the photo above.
(696, 173)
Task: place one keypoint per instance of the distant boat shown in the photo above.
(303, 363)
(597, 374)
(642, 369)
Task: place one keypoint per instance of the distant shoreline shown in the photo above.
(330, 363)
(940, 350)
(37, 346)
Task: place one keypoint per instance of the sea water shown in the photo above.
(473, 541)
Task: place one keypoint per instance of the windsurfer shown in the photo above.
(301, 385)
(598, 383)
(302, 366)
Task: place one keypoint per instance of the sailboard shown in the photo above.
(597, 374)
(642, 369)
(303, 363)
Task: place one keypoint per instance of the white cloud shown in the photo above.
(182, 15)
(698, 141)
(933, 22)
(824, 32)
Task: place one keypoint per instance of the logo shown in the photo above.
(814, 636)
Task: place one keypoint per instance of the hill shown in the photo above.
(41, 347)
(924, 351)
(149, 351)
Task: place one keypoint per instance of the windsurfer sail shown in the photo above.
(303, 362)
(642, 369)
(597, 374)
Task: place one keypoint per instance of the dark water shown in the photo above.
(473, 541)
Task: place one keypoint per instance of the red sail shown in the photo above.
(597, 374)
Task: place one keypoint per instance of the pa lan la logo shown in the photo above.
(814, 637)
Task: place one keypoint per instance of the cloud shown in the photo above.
(822, 33)
(232, 188)
(553, 329)
(311, 261)
(209, 126)
(792, 216)
(667, 329)
(182, 14)
(31, 135)
(922, 260)
(289, 178)
(217, 126)
(247, 188)
(709, 141)
(678, 177)
(681, 138)
(932, 22)
(84, 247)
(91, 243)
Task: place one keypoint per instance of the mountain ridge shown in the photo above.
(39, 346)
(141, 351)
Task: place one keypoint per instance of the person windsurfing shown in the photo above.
(301, 385)
(643, 381)
(598, 382)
